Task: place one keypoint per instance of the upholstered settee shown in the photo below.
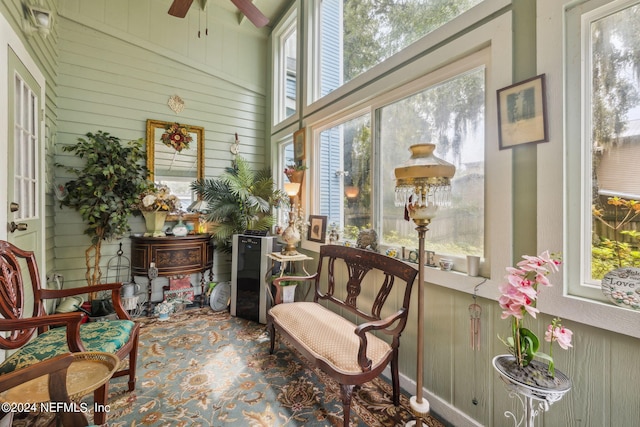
(364, 285)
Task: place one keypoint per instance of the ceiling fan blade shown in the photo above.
(179, 8)
(251, 12)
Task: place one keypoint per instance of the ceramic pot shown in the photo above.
(180, 229)
(289, 293)
(154, 222)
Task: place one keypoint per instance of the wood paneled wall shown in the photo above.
(120, 61)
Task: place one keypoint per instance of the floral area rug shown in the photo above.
(202, 368)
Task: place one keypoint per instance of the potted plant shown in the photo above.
(163, 310)
(105, 190)
(519, 370)
(294, 170)
(155, 203)
(240, 199)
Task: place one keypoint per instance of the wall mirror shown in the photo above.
(175, 162)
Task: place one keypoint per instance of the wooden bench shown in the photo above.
(346, 349)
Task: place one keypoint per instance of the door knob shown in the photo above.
(13, 207)
(20, 227)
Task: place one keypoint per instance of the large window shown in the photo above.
(285, 72)
(345, 179)
(610, 135)
(355, 35)
(449, 114)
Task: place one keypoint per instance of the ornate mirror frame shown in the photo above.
(155, 148)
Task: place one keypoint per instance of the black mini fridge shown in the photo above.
(250, 270)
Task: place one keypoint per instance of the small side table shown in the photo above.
(88, 372)
(284, 261)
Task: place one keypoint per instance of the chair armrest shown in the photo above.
(71, 320)
(276, 283)
(49, 366)
(382, 324)
(113, 287)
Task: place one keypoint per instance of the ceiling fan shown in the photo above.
(179, 8)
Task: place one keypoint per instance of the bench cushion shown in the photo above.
(327, 335)
(107, 337)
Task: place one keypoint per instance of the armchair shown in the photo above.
(31, 335)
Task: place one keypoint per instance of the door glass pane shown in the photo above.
(25, 150)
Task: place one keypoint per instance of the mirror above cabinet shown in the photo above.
(175, 157)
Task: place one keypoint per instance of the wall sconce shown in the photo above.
(37, 18)
(351, 191)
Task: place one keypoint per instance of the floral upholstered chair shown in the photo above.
(29, 327)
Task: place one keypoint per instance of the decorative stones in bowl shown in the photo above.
(622, 287)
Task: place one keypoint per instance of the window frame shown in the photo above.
(559, 177)
(493, 40)
(288, 24)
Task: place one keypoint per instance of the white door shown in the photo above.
(21, 125)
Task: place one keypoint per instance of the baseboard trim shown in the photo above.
(446, 411)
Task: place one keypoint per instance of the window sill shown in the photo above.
(479, 286)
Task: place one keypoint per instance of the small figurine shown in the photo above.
(368, 239)
(333, 235)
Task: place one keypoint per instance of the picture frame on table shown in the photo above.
(317, 231)
(522, 113)
(299, 144)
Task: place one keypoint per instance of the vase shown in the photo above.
(180, 229)
(154, 222)
(531, 383)
(289, 293)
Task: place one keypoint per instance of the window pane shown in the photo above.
(289, 73)
(285, 64)
(345, 180)
(355, 35)
(615, 142)
(451, 115)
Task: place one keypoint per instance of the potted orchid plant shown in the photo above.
(519, 295)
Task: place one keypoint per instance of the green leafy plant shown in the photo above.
(105, 190)
(610, 254)
(240, 199)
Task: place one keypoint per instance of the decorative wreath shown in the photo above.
(176, 136)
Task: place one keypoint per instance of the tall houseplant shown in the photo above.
(240, 199)
(105, 190)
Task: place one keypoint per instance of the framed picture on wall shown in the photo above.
(298, 144)
(317, 231)
(522, 113)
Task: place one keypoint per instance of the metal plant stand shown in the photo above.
(534, 400)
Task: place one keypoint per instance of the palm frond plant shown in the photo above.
(240, 199)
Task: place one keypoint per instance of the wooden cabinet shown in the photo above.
(172, 256)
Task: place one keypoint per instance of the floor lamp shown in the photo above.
(423, 184)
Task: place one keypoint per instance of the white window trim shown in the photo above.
(278, 86)
(495, 37)
(389, 66)
(553, 178)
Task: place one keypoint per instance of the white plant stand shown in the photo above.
(534, 400)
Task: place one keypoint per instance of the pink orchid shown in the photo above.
(519, 295)
(559, 334)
